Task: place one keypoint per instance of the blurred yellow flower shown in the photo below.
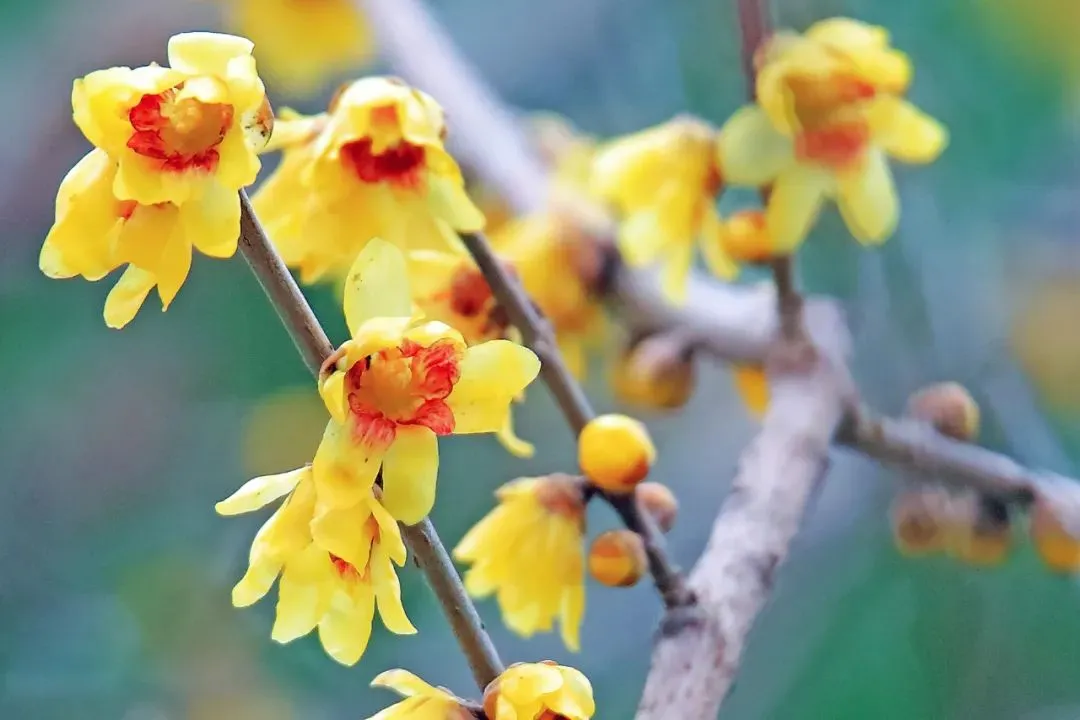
(300, 45)
(94, 233)
(422, 701)
(538, 691)
(543, 249)
(377, 169)
(664, 182)
(181, 131)
(543, 519)
(397, 385)
(828, 118)
(317, 588)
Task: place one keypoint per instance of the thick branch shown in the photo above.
(310, 338)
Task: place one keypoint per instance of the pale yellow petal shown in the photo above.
(405, 683)
(750, 150)
(345, 630)
(388, 594)
(642, 238)
(389, 532)
(212, 221)
(332, 392)
(304, 593)
(492, 375)
(260, 491)
(867, 199)
(794, 205)
(675, 272)
(570, 616)
(513, 444)
(410, 471)
(449, 202)
(343, 532)
(127, 296)
(711, 241)
(904, 131)
(344, 469)
(206, 53)
(377, 285)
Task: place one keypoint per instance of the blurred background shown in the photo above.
(115, 572)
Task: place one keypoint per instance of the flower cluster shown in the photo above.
(172, 148)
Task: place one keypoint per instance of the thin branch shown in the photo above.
(537, 334)
(310, 339)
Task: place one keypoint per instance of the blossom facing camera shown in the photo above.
(542, 518)
(539, 691)
(615, 452)
(398, 385)
(378, 168)
(421, 701)
(663, 182)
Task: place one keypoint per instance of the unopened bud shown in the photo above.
(617, 558)
(981, 533)
(615, 452)
(659, 502)
(655, 373)
(746, 237)
(918, 518)
(1057, 541)
(949, 408)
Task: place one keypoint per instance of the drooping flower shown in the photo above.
(94, 234)
(317, 588)
(397, 385)
(829, 115)
(422, 701)
(541, 518)
(300, 45)
(377, 169)
(537, 691)
(180, 131)
(663, 181)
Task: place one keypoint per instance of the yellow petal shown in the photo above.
(100, 102)
(260, 491)
(405, 683)
(206, 53)
(389, 532)
(513, 444)
(867, 199)
(449, 202)
(642, 238)
(345, 630)
(492, 374)
(675, 272)
(257, 581)
(575, 698)
(127, 296)
(388, 594)
(711, 240)
(794, 205)
(752, 386)
(304, 593)
(140, 179)
(570, 615)
(173, 266)
(344, 470)
(238, 163)
(377, 285)
(410, 470)
(81, 239)
(344, 532)
(904, 131)
(212, 221)
(332, 392)
(750, 150)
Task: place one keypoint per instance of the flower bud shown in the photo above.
(659, 502)
(617, 558)
(981, 533)
(746, 239)
(615, 452)
(1057, 543)
(654, 375)
(949, 408)
(918, 521)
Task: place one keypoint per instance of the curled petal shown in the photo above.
(388, 594)
(127, 296)
(260, 491)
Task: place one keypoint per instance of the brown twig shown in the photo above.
(423, 540)
(537, 334)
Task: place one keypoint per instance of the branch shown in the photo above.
(310, 339)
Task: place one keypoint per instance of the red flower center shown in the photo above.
(404, 385)
(400, 164)
(182, 133)
(836, 145)
(345, 569)
(469, 292)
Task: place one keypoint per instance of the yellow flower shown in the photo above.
(317, 588)
(542, 250)
(300, 45)
(422, 701)
(537, 691)
(398, 385)
(827, 121)
(377, 169)
(543, 519)
(94, 233)
(180, 131)
(663, 181)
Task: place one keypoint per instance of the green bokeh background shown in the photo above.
(115, 572)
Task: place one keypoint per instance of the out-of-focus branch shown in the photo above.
(310, 339)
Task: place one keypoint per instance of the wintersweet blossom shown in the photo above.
(398, 384)
(829, 116)
(180, 131)
(541, 518)
(538, 691)
(377, 169)
(317, 588)
(422, 701)
(300, 45)
(663, 181)
(94, 234)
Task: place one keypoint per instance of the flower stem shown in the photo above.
(571, 399)
(423, 540)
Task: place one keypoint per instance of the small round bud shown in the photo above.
(981, 533)
(1057, 546)
(617, 558)
(746, 238)
(949, 408)
(615, 452)
(659, 502)
(918, 522)
(653, 374)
